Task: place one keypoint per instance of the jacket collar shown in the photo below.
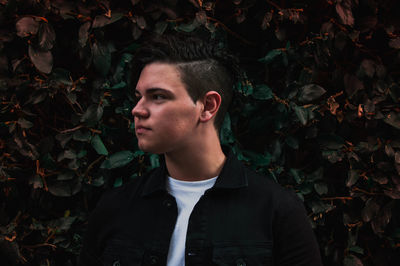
(232, 175)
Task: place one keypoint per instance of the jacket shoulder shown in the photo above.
(114, 198)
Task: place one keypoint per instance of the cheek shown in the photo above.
(179, 121)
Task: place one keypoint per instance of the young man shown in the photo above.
(202, 206)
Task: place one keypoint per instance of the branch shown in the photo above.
(337, 198)
(71, 129)
(273, 4)
(91, 166)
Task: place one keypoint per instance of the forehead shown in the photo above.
(160, 75)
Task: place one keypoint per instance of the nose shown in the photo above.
(140, 111)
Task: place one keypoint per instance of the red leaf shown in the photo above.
(43, 60)
(345, 14)
(395, 43)
(103, 20)
(26, 26)
(370, 210)
(84, 33)
(352, 84)
(47, 36)
(134, 2)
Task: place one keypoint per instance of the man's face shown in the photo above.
(165, 115)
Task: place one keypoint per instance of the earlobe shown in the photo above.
(211, 104)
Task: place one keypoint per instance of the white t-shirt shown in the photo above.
(186, 194)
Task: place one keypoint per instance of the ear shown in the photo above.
(211, 102)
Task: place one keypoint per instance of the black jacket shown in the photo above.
(245, 219)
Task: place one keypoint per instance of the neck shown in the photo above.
(196, 162)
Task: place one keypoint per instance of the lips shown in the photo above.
(141, 129)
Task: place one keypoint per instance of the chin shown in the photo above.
(150, 148)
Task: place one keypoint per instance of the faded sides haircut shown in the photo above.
(203, 66)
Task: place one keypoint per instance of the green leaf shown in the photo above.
(352, 260)
(101, 58)
(331, 142)
(67, 154)
(188, 27)
(321, 188)
(316, 175)
(81, 136)
(24, 123)
(301, 113)
(393, 119)
(63, 139)
(292, 142)
(62, 76)
(226, 134)
(297, 175)
(270, 56)
(117, 86)
(118, 159)
(37, 97)
(81, 154)
(320, 207)
(257, 159)
(262, 92)
(154, 161)
(66, 175)
(352, 177)
(93, 114)
(98, 181)
(118, 182)
(311, 92)
(98, 145)
(65, 188)
(357, 249)
(160, 27)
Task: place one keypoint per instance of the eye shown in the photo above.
(158, 97)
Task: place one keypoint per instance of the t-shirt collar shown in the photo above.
(232, 175)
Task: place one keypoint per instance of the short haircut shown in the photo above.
(204, 66)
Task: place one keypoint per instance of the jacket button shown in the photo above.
(153, 260)
(116, 263)
(240, 262)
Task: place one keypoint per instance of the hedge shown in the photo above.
(317, 109)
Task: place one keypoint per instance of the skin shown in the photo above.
(169, 122)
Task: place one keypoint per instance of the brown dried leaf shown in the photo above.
(333, 105)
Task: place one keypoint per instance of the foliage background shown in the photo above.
(318, 111)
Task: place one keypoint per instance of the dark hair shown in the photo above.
(204, 66)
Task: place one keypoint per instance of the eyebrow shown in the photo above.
(154, 90)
